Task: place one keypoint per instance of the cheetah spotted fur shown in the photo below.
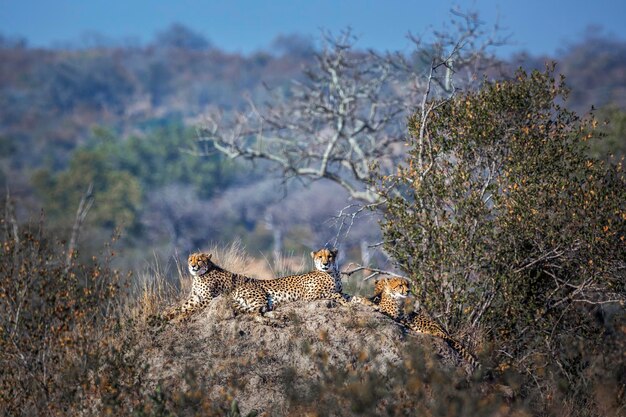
(261, 296)
(209, 281)
(392, 292)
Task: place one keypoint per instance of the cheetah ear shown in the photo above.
(313, 255)
(378, 287)
(334, 251)
(208, 256)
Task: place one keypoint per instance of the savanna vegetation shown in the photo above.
(499, 196)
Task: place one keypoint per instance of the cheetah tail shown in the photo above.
(461, 350)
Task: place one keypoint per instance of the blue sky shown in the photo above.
(244, 26)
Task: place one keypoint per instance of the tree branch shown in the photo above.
(85, 204)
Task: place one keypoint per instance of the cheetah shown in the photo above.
(261, 296)
(209, 281)
(391, 292)
(325, 260)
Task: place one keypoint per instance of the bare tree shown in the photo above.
(345, 121)
(332, 125)
(349, 113)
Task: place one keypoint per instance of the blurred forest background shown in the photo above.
(124, 118)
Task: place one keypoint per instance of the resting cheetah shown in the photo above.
(325, 260)
(391, 292)
(261, 296)
(209, 281)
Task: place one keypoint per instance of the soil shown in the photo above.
(270, 364)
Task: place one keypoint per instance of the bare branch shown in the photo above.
(85, 204)
(349, 112)
(373, 272)
(347, 216)
(10, 216)
(552, 254)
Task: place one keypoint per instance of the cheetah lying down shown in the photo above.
(264, 295)
(251, 295)
(391, 292)
(209, 281)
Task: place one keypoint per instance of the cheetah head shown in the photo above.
(325, 259)
(393, 287)
(199, 263)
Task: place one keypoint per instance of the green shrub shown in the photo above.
(505, 225)
(612, 147)
(118, 194)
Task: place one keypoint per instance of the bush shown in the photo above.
(612, 147)
(504, 225)
(52, 321)
(72, 336)
(418, 386)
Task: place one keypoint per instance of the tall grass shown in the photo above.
(154, 288)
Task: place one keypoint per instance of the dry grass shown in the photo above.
(235, 259)
(284, 264)
(154, 289)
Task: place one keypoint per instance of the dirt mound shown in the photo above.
(274, 365)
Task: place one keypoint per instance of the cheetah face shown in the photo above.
(325, 259)
(198, 263)
(394, 287)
